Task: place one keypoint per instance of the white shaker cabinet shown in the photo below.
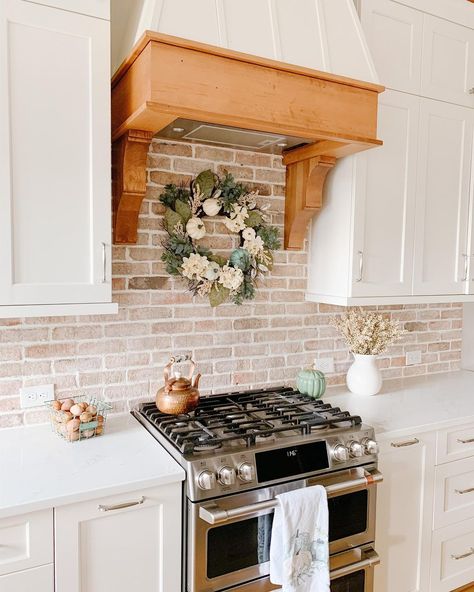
(384, 208)
(448, 61)
(394, 36)
(362, 240)
(39, 579)
(443, 196)
(404, 506)
(121, 543)
(55, 197)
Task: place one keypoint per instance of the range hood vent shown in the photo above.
(186, 90)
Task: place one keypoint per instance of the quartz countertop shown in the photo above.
(414, 404)
(40, 470)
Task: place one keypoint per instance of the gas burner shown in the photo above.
(204, 445)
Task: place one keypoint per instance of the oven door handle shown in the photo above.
(370, 560)
(212, 514)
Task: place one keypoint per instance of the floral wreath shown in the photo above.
(233, 279)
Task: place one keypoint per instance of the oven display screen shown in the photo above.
(287, 462)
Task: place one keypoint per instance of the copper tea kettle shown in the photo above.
(179, 394)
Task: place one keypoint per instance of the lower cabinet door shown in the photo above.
(404, 503)
(121, 543)
(38, 579)
(452, 557)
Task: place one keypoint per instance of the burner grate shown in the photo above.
(245, 418)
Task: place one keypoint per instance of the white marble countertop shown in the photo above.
(39, 470)
(414, 404)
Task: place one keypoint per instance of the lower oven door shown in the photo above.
(228, 539)
(351, 571)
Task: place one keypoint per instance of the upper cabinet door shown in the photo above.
(55, 200)
(385, 202)
(448, 66)
(394, 36)
(442, 204)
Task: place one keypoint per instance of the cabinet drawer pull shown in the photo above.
(361, 266)
(466, 267)
(405, 443)
(138, 502)
(471, 91)
(464, 555)
(463, 491)
(104, 263)
(468, 441)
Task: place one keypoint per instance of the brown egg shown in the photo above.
(64, 416)
(56, 405)
(85, 417)
(72, 436)
(67, 404)
(92, 409)
(88, 433)
(99, 429)
(73, 425)
(76, 410)
(100, 418)
(83, 405)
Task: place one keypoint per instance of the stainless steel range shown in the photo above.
(242, 449)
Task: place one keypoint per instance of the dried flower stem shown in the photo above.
(367, 333)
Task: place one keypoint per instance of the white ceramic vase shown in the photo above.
(364, 376)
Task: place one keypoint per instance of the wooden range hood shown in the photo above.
(167, 78)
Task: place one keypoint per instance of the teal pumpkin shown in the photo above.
(311, 382)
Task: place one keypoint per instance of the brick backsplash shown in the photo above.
(121, 357)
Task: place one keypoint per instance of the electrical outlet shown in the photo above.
(324, 364)
(34, 396)
(413, 357)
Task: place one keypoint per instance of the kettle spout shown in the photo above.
(195, 380)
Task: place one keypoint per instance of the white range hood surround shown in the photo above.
(320, 34)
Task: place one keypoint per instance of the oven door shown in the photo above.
(229, 538)
(351, 571)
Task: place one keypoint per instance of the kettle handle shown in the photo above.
(177, 359)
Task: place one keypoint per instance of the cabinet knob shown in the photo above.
(471, 91)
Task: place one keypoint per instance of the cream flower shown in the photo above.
(231, 277)
(194, 266)
(248, 234)
(236, 220)
(254, 246)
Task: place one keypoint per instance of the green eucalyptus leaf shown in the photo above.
(206, 181)
(183, 209)
(254, 219)
(171, 219)
(218, 295)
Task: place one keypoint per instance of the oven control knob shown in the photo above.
(226, 476)
(206, 480)
(355, 449)
(246, 472)
(340, 453)
(370, 446)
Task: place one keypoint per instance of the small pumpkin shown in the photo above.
(211, 206)
(195, 228)
(311, 382)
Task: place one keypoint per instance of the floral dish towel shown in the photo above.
(299, 550)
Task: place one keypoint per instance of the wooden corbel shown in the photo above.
(304, 196)
(129, 154)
